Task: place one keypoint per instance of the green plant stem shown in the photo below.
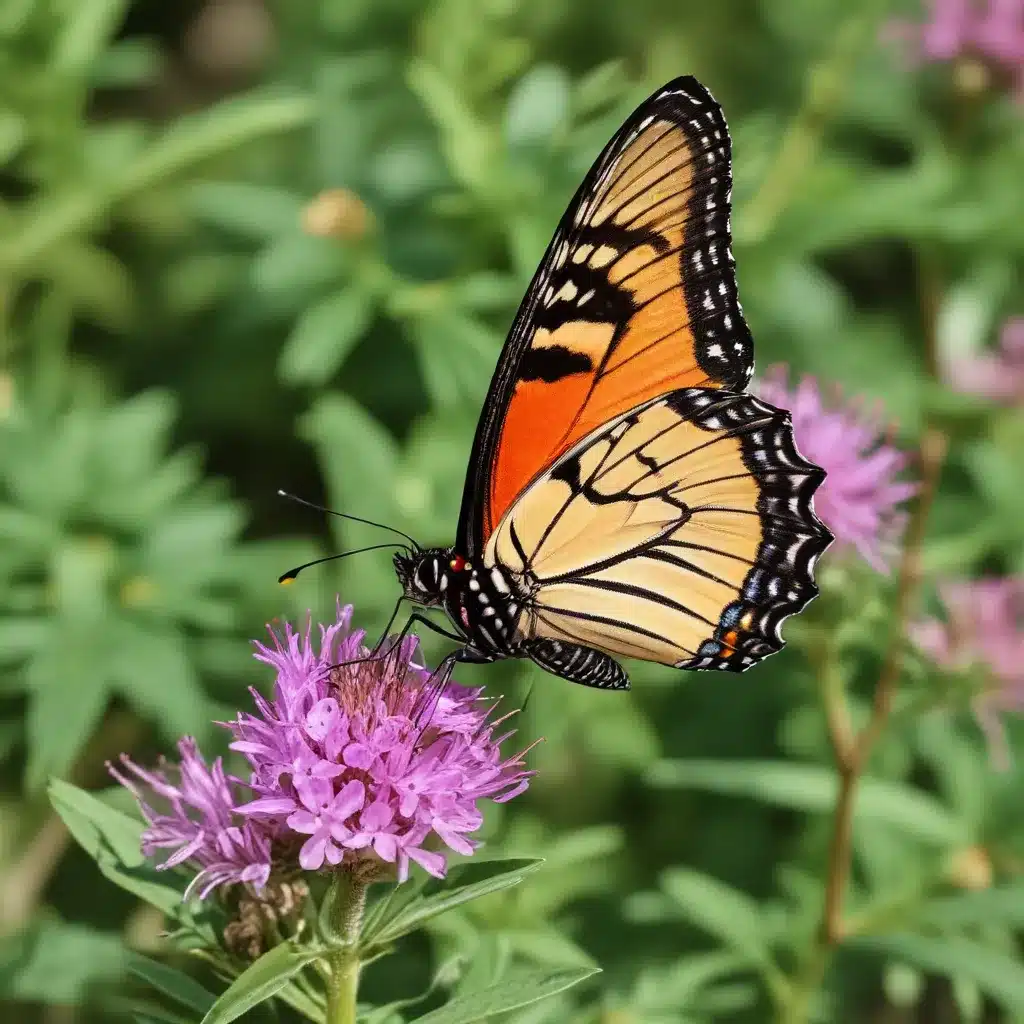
(344, 963)
(852, 749)
(193, 141)
(822, 93)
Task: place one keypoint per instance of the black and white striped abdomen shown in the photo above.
(578, 664)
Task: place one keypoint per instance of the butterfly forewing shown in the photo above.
(635, 298)
(681, 532)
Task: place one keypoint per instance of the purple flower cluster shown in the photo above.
(983, 627)
(860, 500)
(991, 31)
(998, 375)
(353, 759)
(198, 821)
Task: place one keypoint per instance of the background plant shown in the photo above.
(246, 246)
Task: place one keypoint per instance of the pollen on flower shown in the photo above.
(366, 760)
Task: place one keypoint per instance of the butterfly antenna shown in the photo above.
(526, 699)
(290, 575)
(345, 515)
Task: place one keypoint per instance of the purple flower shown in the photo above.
(861, 497)
(984, 628)
(199, 822)
(369, 760)
(998, 375)
(990, 31)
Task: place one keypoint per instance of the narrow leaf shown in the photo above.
(517, 989)
(58, 963)
(324, 336)
(464, 882)
(260, 981)
(86, 33)
(813, 788)
(727, 914)
(1001, 905)
(171, 982)
(999, 975)
(65, 710)
(113, 840)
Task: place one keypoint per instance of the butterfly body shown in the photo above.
(483, 604)
(487, 607)
(625, 496)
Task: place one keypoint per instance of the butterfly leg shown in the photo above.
(578, 664)
(441, 676)
(397, 642)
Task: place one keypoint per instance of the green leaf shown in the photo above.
(324, 336)
(358, 455)
(813, 788)
(679, 986)
(70, 683)
(520, 987)
(252, 211)
(113, 840)
(1000, 905)
(538, 106)
(469, 143)
(190, 142)
(260, 982)
(456, 354)
(464, 882)
(296, 268)
(58, 963)
(999, 975)
(199, 137)
(85, 34)
(546, 945)
(729, 915)
(172, 982)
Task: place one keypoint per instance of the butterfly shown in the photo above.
(625, 496)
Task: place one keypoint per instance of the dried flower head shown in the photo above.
(860, 500)
(197, 820)
(337, 213)
(997, 375)
(365, 759)
(983, 628)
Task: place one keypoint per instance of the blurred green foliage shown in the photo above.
(248, 246)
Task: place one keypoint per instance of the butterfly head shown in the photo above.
(424, 574)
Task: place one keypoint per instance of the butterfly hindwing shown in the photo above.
(635, 297)
(681, 532)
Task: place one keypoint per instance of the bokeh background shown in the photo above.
(248, 245)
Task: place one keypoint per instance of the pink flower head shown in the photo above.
(992, 31)
(997, 375)
(861, 497)
(369, 760)
(199, 822)
(984, 628)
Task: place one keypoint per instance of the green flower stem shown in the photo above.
(853, 748)
(343, 980)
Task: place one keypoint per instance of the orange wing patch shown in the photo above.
(636, 297)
